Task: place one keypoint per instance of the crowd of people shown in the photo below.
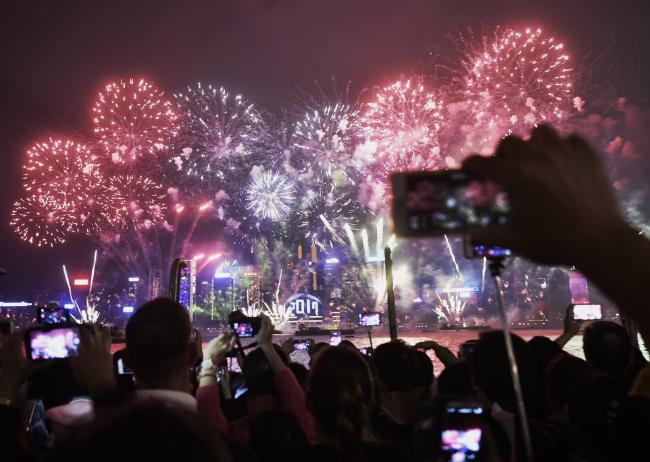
(172, 399)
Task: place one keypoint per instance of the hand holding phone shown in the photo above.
(335, 338)
(461, 434)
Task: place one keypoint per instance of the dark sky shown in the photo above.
(55, 54)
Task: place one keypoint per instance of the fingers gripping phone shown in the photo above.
(449, 202)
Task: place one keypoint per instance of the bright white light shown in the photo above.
(68, 306)
(127, 309)
(14, 304)
(80, 282)
(198, 256)
(332, 260)
(222, 275)
(134, 279)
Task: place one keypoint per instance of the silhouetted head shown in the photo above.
(561, 377)
(274, 433)
(397, 365)
(158, 343)
(490, 367)
(258, 375)
(607, 347)
(340, 397)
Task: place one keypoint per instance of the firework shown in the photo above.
(328, 136)
(451, 307)
(401, 128)
(134, 201)
(219, 132)
(270, 196)
(133, 119)
(42, 221)
(325, 214)
(64, 170)
(520, 80)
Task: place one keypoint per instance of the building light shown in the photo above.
(80, 282)
(68, 306)
(127, 309)
(134, 279)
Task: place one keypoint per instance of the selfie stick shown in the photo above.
(370, 336)
(496, 265)
(390, 295)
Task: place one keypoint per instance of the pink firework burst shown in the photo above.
(401, 128)
(63, 170)
(42, 221)
(133, 201)
(133, 119)
(519, 80)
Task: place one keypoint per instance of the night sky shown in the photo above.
(56, 54)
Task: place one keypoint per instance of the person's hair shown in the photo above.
(607, 347)
(340, 397)
(158, 340)
(455, 380)
(424, 371)
(315, 350)
(275, 433)
(396, 365)
(490, 367)
(149, 431)
(258, 375)
(590, 403)
(561, 377)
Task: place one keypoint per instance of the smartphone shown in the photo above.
(370, 319)
(483, 251)
(449, 202)
(586, 312)
(52, 342)
(335, 338)
(303, 345)
(52, 315)
(246, 327)
(461, 433)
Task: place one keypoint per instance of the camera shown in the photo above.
(449, 202)
(246, 327)
(370, 319)
(52, 314)
(53, 341)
